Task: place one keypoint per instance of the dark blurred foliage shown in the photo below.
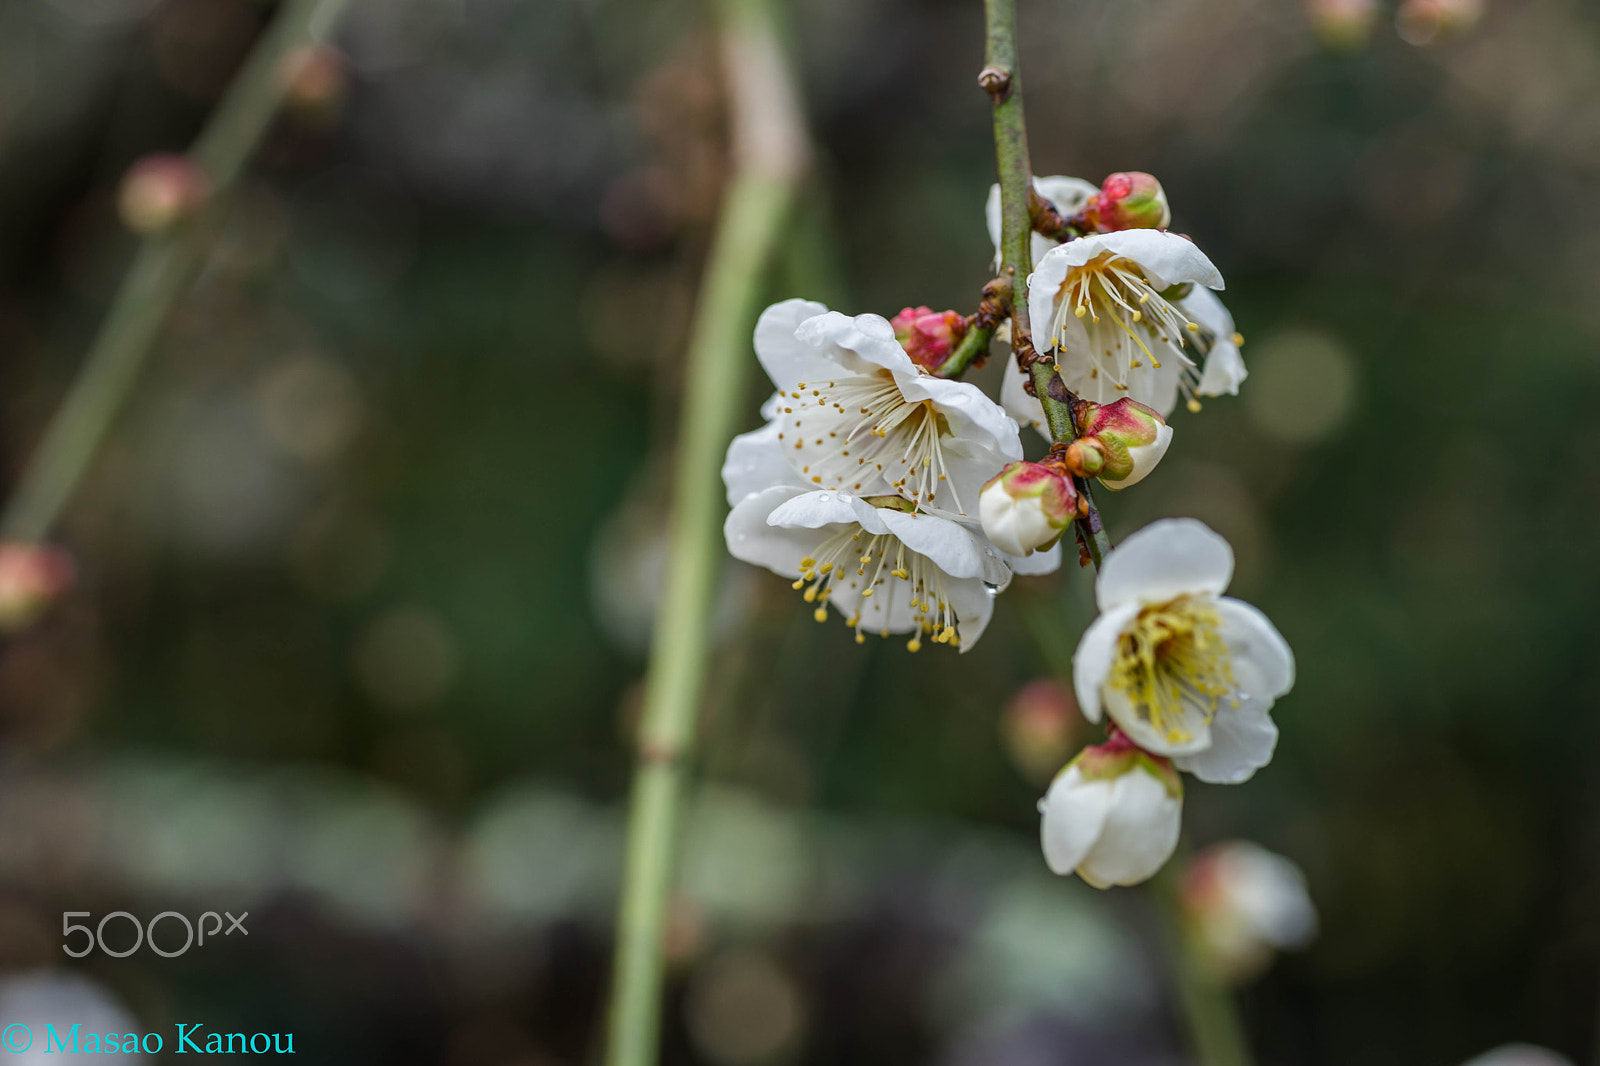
(368, 566)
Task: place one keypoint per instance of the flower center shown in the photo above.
(1128, 321)
(861, 435)
(857, 560)
(1171, 661)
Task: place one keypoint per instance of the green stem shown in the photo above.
(973, 346)
(770, 149)
(1002, 79)
(161, 271)
(1210, 1015)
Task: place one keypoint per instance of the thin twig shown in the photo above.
(769, 149)
(1002, 80)
(161, 271)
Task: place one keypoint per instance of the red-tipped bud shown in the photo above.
(1026, 506)
(1424, 22)
(1131, 200)
(1039, 727)
(315, 80)
(32, 577)
(928, 336)
(1121, 444)
(159, 191)
(1342, 25)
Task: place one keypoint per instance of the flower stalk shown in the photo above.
(162, 269)
(769, 158)
(1002, 80)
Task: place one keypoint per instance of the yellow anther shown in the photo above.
(820, 614)
(1194, 327)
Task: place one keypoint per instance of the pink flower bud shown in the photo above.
(32, 577)
(928, 336)
(1423, 22)
(1039, 727)
(1342, 25)
(1121, 444)
(1026, 506)
(315, 81)
(159, 191)
(1131, 200)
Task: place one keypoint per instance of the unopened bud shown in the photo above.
(1342, 25)
(1039, 727)
(32, 577)
(1243, 904)
(928, 336)
(1131, 200)
(1121, 443)
(315, 80)
(1423, 22)
(159, 191)
(1026, 506)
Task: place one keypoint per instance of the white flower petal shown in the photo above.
(858, 345)
(1072, 814)
(1263, 664)
(1166, 559)
(751, 539)
(1166, 258)
(1097, 650)
(755, 462)
(1185, 733)
(813, 510)
(1093, 376)
(1145, 457)
(782, 355)
(953, 547)
(1140, 832)
(976, 421)
(1224, 366)
(1242, 741)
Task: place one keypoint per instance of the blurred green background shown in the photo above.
(368, 565)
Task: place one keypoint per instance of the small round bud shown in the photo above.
(32, 577)
(1243, 904)
(1342, 25)
(1122, 442)
(1131, 200)
(1026, 506)
(1424, 22)
(160, 191)
(1112, 815)
(315, 80)
(1040, 727)
(928, 336)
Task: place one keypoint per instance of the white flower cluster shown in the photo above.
(899, 497)
(863, 485)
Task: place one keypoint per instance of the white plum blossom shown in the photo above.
(1151, 329)
(885, 568)
(1181, 669)
(1244, 904)
(1112, 816)
(1099, 303)
(856, 414)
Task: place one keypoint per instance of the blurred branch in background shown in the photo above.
(769, 149)
(162, 269)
